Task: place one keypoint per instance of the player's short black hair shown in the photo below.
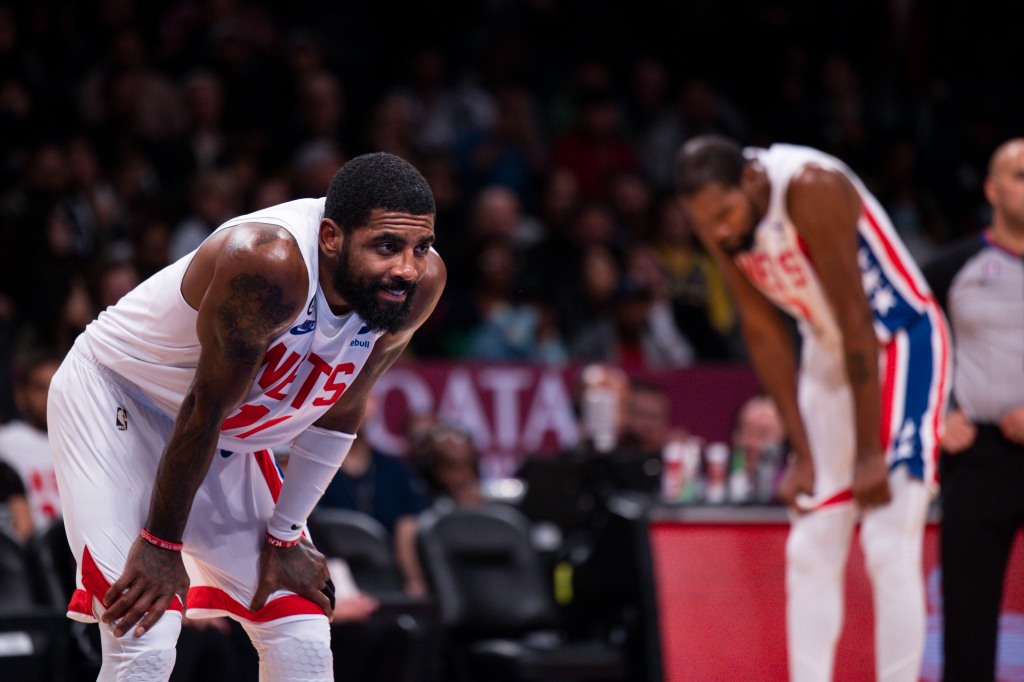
(377, 180)
(708, 159)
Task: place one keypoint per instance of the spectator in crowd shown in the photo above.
(212, 201)
(439, 109)
(206, 139)
(701, 304)
(596, 148)
(511, 151)
(114, 280)
(493, 321)
(639, 334)
(649, 118)
(632, 202)
(24, 444)
(91, 204)
(391, 127)
(151, 245)
(758, 451)
(696, 107)
(578, 270)
(647, 432)
(648, 418)
(450, 465)
(565, 490)
(15, 512)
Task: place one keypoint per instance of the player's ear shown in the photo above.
(332, 238)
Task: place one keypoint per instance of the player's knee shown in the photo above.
(815, 548)
(297, 650)
(151, 656)
(889, 551)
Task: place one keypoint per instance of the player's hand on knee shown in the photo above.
(871, 481)
(152, 578)
(797, 480)
(300, 569)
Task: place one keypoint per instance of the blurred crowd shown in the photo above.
(547, 131)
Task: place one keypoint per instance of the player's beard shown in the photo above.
(379, 316)
(746, 242)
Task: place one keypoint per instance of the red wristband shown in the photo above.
(162, 544)
(278, 542)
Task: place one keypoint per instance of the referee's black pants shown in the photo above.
(982, 509)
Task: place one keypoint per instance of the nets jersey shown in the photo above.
(149, 339)
(779, 263)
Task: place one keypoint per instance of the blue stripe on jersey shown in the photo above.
(892, 311)
(906, 447)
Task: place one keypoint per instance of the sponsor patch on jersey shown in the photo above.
(362, 330)
(360, 344)
(304, 328)
(121, 419)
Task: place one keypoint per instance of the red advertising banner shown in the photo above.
(514, 410)
(721, 604)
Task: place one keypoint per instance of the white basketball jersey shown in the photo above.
(779, 263)
(149, 338)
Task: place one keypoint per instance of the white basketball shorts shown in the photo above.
(107, 440)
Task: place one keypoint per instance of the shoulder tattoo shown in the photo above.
(251, 313)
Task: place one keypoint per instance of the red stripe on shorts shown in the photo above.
(204, 597)
(839, 498)
(96, 586)
(270, 472)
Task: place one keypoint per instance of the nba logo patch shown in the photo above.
(122, 419)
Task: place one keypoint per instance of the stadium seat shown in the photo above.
(33, 630)
(496, 603)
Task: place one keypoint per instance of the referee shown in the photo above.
(980, 283)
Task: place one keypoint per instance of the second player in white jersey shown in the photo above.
(793, 229)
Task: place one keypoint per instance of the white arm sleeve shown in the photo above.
(315, 457)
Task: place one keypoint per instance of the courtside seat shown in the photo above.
(365, 545)
(496, 603)
(33, 630)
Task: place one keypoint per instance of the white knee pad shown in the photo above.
(149, 658)
(294, 650)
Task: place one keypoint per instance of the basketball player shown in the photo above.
(794, 229)
(272, 331)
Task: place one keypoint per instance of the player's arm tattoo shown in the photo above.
(250, 315)
(161, 564)
(180, 469)
(298, 568)
(857, 367)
